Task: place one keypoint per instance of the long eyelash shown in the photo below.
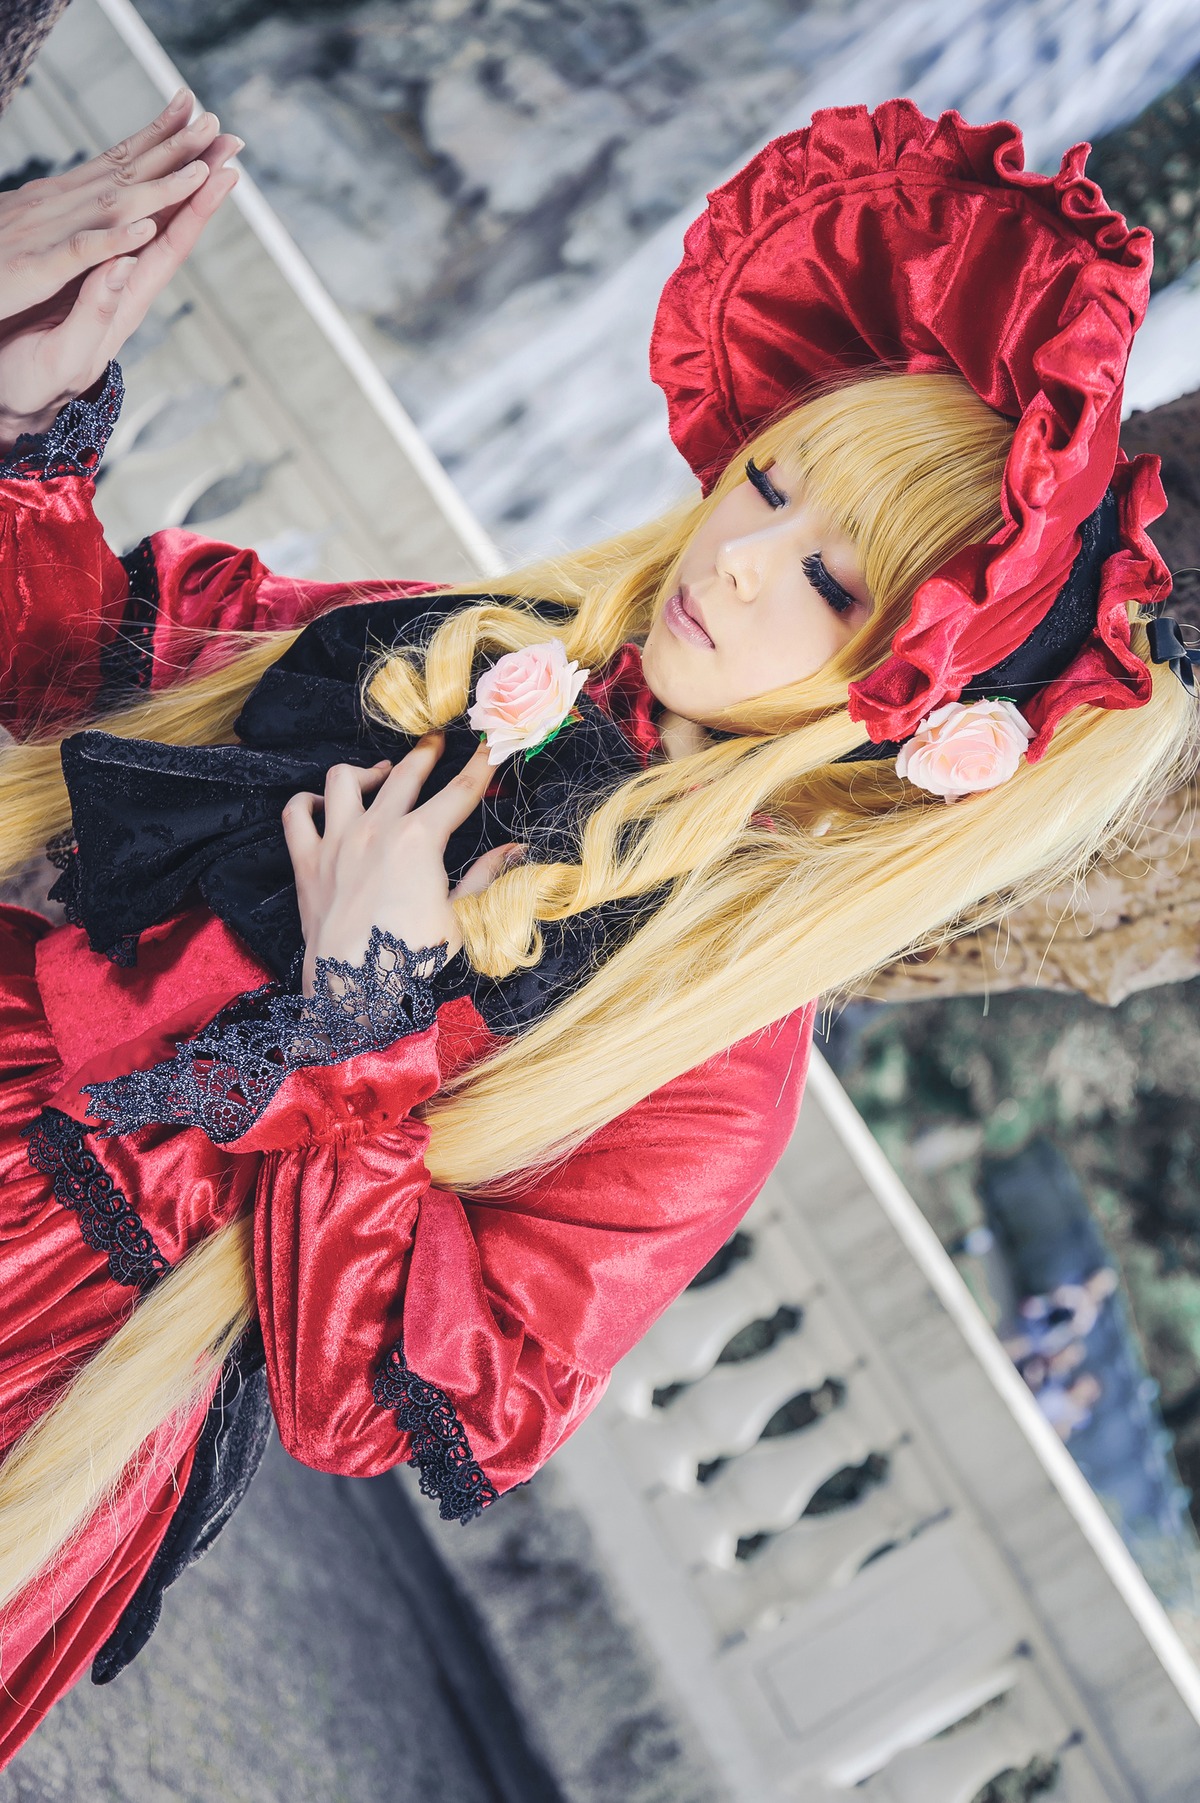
(766, 488)
(826, 586)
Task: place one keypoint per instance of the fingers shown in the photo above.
(225, 145)
(173, 152)
(115, 219)
(68, 357)
(170, 123)
(132, 199)
(175, 242)
(122, 185)
(138, 281)
(173, 117)
(179, 229)
(485, 870)
(85, 248)
(403, 787)
(300, 830)
(51, 249)
(80, 345)
(115, 203)
(346, 785)
(37, 267)
(460, 797)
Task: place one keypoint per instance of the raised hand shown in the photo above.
(384, 866)
(83, 254)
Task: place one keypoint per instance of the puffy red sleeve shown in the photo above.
(80, 627)
(403, 1322)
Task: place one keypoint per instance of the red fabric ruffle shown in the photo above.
(889, 238)
(620, 690)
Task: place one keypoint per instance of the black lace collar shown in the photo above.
(157, 826)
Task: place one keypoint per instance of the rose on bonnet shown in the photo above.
(523, 700)
(964, 748)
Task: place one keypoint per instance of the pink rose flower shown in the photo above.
(525, 697)
(964, 748)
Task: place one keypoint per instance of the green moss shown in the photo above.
(1150, 171)
(1118, 1090)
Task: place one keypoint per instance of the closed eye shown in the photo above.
(763, 483)
(827, 586)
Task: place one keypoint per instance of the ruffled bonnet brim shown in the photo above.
(889, 238)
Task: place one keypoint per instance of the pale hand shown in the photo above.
(384, 865)
(83, 254)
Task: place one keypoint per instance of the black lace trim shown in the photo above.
(63, 853)
(222, 1079)
(74, 443)
(440, 1449)
(228, 1453)
(127, 661)
(107, 1220)
(1053, 643)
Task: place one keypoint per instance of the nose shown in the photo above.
(740, 561)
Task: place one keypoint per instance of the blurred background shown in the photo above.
(493, 192)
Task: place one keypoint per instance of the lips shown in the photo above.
(682, 617)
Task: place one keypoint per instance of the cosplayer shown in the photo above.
(402, 1078)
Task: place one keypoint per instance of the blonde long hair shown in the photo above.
(787, 874)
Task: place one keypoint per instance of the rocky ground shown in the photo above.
(340, 1645)
(357, 1711)
(465, 174)
(495, 190)
(458, 170)
(468, 174)
(1150, 170)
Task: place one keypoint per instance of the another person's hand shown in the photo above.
(384, 865)
(83, 254)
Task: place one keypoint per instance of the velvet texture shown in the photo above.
(924, 244)
(157, 823)
(515, 1306)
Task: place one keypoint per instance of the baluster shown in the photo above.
(955, 1767)
(764, 1491)
(819, 1552)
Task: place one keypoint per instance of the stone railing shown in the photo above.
(252, 412)
(862, 1558)
(862, 1555)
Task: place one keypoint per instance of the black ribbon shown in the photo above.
(159, 826)
(1167, 647)
(1055, 641)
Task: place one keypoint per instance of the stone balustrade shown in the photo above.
(862, 1555)
(862, 1559)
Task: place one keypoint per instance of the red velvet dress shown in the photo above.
(383, 1298)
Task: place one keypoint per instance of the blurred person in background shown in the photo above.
(406, 1078)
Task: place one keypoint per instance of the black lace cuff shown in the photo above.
(74, 444)
(441, 1451)
(107, 1219)
(223, 1078)
(63, 853)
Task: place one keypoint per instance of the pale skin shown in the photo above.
(83, 255)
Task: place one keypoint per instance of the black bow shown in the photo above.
(1055, 641)
(1167, 647)
(157, 825)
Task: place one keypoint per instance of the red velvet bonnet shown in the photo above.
(888, 238)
